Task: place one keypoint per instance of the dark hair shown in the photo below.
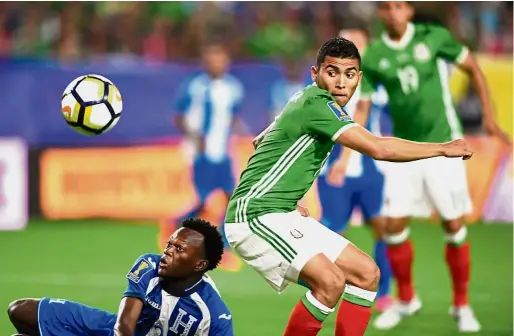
(212, 239)
(337, 47)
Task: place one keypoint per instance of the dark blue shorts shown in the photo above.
(57, 317)
(338, 203)
(209, 176)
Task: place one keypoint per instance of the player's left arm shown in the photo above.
(133, 299)
(455, 52)
(128, 314)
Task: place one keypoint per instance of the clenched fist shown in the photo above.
(457, 148)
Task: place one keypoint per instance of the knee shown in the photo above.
(453, 226)
(330, 288)
(369, 276)
(396, 225)
(15, 309)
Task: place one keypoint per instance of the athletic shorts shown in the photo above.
(278, 245)
(416, 188)
(57, 317)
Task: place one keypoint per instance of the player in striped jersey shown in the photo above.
(167, 294)
(284, 245)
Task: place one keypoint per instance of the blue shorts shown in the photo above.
(58, 317)
(338, 203)
(209, 176)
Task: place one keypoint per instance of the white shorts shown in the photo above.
(278, 245)
(416, 188)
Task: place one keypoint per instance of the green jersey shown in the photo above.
(414, 72)
(289, 158)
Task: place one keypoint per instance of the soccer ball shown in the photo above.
(91, 104)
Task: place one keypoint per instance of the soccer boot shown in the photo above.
(394, 314)
(466, 320)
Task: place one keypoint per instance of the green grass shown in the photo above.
(87, 262)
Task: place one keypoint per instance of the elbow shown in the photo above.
(122, 329)
(381, 154)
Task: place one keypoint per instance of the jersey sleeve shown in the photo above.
(139, 276)
(449, 48)
(323, 116)
(369, 79)
(221, 322)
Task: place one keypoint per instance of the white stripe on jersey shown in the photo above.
(205, 324)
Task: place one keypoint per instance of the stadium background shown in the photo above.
(75, 211)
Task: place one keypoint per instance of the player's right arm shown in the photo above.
(133, 299)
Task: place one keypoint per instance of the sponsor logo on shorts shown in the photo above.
(139, 270)
(296, 234)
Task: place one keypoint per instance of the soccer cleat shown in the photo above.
(466, 320)
(394, 314)
(230, 262)
(383, 303)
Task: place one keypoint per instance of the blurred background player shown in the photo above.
(410, 62)
(363, 184)
(284, 88)
(169, 291)
(207, 109)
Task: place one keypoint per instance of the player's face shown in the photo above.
(216, 60)
(395, 15)
(183, 255)
(339, 76)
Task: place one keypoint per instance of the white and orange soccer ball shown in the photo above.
(91, 104)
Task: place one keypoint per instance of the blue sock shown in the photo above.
(385, 268)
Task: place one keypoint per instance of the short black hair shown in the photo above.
(337, 47)
(212, 240)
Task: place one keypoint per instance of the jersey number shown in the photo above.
(409, 79)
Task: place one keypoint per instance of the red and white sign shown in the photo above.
(13, 184)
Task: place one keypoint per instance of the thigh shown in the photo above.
(403, 189)
(67, 318)
(447, 187)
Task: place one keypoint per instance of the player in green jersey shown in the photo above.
(286, 245)
(410, 61)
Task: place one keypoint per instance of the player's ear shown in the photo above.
(201, 265)
(314, 73)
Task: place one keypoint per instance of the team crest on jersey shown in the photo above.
(338, 111)
(421, 52)
(139, 270)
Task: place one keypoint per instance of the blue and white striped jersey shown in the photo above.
(209, 106)
(199, 312)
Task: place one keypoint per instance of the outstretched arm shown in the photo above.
(400, 150)
(471, 67)
(128, 313)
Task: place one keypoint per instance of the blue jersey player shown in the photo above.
(207, 110)
(363, 185)
(167, 294)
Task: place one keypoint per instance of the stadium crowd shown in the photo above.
(174, 31)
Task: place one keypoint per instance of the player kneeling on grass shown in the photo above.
(284, 245)
(166, 295)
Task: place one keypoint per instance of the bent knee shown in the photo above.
(331, 287)
(369, 276)
(20, 310)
